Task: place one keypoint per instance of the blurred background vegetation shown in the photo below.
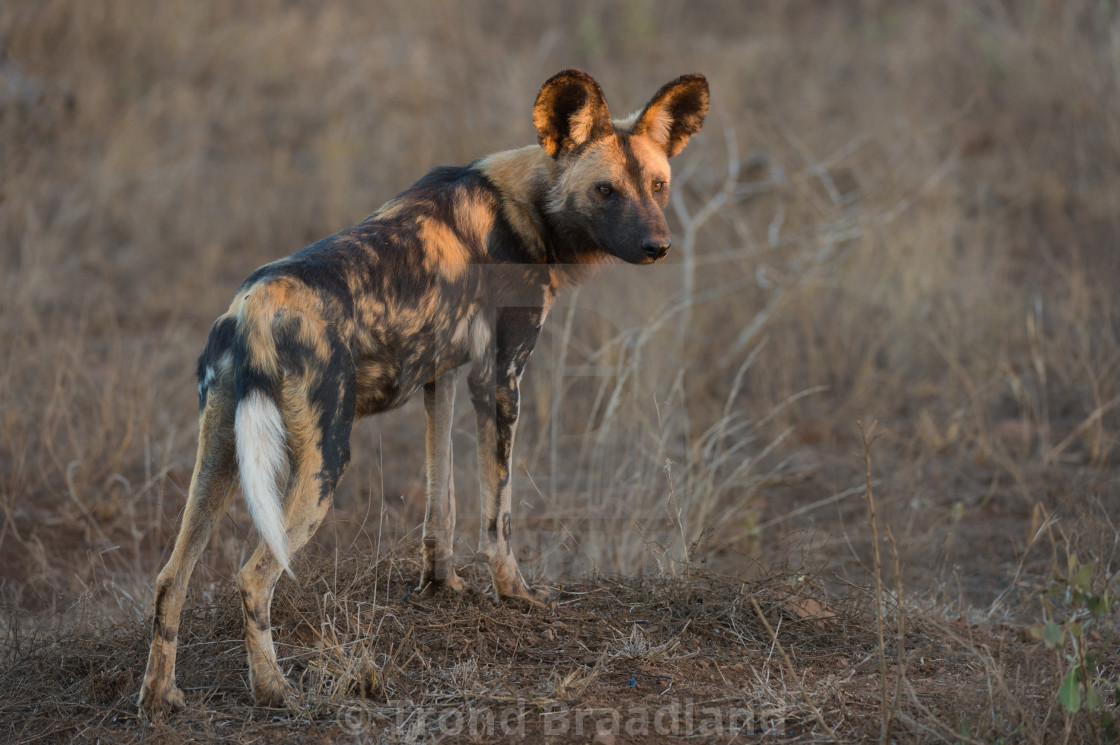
(897, 212)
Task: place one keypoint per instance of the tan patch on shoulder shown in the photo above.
(443, 251)
(521, 176)
(474, 214)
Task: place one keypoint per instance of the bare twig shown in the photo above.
(901, 628)
(691, 223)
(1093, 419)
(867, 438)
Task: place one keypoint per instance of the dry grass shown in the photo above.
(897, 213)
(691, 654)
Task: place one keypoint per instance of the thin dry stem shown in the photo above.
(791, 670)
(867, 438)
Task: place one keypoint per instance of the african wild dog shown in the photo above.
(460, 268)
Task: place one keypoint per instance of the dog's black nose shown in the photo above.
(656, 250)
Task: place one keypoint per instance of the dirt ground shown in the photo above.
(645, 661)
(772, 652)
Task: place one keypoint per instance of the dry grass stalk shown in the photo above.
(792, 671)
(867, 438)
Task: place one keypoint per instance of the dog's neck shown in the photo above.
(525, 177)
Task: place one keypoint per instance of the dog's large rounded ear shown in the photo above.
(675, 113)
(570, 112)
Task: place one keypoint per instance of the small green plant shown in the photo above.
(1076, 639)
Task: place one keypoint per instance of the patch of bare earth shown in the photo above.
(701, 657)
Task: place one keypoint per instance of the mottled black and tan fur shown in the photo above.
(460, 269)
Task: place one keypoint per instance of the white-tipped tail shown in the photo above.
(262, 458)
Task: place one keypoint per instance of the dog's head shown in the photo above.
(614, 175)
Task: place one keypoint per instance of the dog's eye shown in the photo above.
(605, 190)
(658, 185)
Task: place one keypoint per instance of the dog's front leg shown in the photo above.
(496, 398)
(439, 513)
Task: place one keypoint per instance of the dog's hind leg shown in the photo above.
(317, 416)
(439, 513)
(209, 497)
